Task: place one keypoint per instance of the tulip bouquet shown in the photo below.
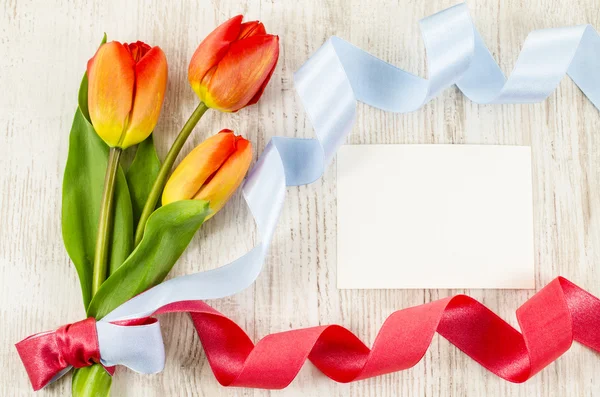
(120, 239)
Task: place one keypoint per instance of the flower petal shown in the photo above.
(228, 178)
(198, 166)
(252, 28)
(111, 79)
(242, 72)
(138, 50)
(211, 50)
(257, 96)
(151, 74)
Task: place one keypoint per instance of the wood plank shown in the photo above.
(45, 45)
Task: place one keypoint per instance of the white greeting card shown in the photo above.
(434, 216)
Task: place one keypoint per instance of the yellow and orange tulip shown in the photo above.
(127, 84)
(211, 172)
(232, 66)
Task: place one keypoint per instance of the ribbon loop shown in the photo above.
(145, 350)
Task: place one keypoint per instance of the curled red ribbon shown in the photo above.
(558, 314)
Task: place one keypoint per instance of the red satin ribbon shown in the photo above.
(558, 314)
(45, 355)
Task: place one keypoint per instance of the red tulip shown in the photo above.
(211, 172)
(232, 66)
(127, 84)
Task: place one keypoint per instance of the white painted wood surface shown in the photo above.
(44, 47)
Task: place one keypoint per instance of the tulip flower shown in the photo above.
(127, 84)
(211, 172)
(232, 66)
(228, 71)
(126, 88)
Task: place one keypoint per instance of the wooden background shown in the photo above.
(44, 48)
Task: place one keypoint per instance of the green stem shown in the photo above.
(163, 173)
(91, 381)
(105, 221)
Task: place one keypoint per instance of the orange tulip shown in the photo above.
(211, 172)
(232, 66)
(127, 84)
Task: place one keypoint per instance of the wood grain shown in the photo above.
(44, 47)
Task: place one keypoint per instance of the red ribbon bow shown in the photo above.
(48, 354)
(558, 314)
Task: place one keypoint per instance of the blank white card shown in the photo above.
(434, 216)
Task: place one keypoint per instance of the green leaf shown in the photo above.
(82, 191)
(91, 381)
(168, 232)
(141, 176)
(82, 98)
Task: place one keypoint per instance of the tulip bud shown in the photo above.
(232, 66)
(211, 172)
(127, 84)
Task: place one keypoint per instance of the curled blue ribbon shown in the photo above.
(329, 84)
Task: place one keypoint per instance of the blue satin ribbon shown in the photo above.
(330, 83)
